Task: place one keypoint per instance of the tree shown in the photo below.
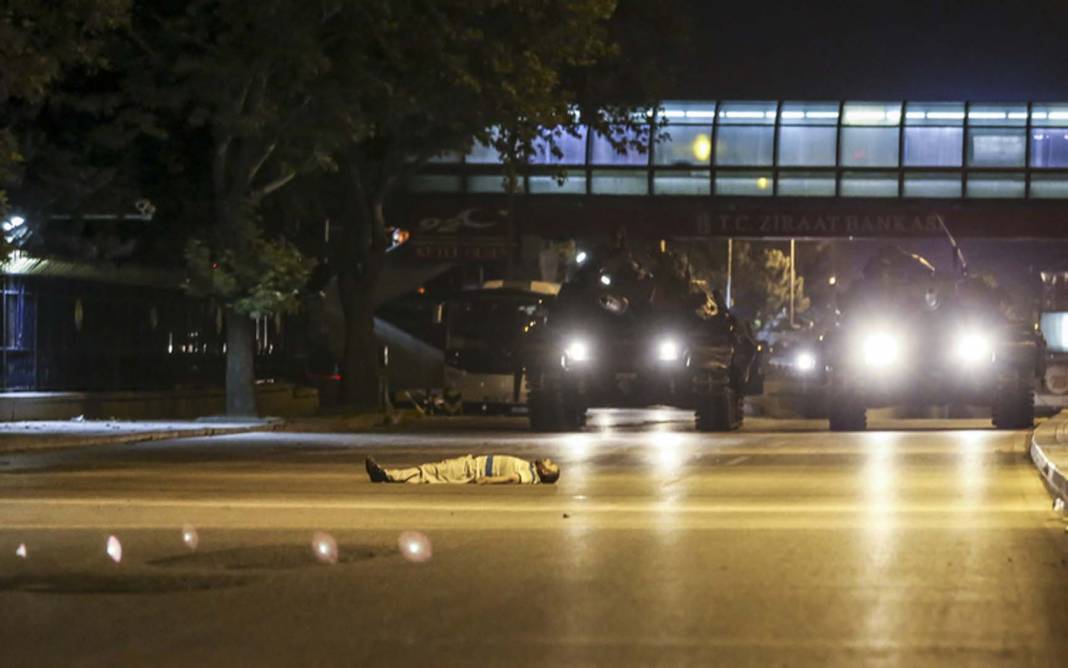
(240, 78)
(39, 43)
(418, 78)
(760, 278)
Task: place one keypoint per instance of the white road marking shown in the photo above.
(736, 460)
(398, 504)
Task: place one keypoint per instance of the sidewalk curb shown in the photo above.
(34, 444)
(1052, 432)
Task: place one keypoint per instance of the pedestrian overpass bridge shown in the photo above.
(773, 169)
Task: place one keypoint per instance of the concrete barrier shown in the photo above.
(1049, 452)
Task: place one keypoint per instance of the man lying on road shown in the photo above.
(484, 470)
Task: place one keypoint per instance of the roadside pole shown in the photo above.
(730, 271)
(793, 279)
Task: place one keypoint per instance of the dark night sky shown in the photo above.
(937, 50)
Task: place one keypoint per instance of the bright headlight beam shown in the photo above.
(667, 351)
(606, 279)
(805, 361)
(973, 347)
(577, 351)
(880, 350)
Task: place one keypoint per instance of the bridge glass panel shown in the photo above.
(490, 183)
(934, 113)
(574, 183)
(872, 113)
(483, 154)
(747, 113)
(619, 182)
(935, 184)
(808, 135)
(807, 146)
(996, 147)
(1049, 115)
(806, 184)
(933, 146)
(997, 115)
(572, 148)
(686, 145)
(694, 182)
(745, 184)
(744, 146)
(995, 185)
(1045, 186)
(604, 153)
(869, 184)
(869, 147)
(1049, 147)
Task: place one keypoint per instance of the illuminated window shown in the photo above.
(483, 154)
(546, 184)
(1055, 329)
(932, 185)
(490, 183)
(805, 146)
(995, 185)
(747, 113)
(933, 147)
(687, 145)
(1049, 115)
(998, 115)
(1049, 147)
(682, 183)
(1048, 186)
(996, 147)
(869, 184)
(869, 147)
(809, 113)
(604, 153)
(572, 148)
(871, 113)
(754, 184)
(619, 182)
(806, 184)
(934, 113)
(744, 146)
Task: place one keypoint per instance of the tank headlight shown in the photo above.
(667, 351)
(974, 348)
(577, 350)
(805, 361)
(881, 350)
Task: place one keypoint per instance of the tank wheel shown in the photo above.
(1014, 405)
(846, 415)
(719, 411)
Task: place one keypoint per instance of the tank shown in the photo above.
(627, 331)
(907, 334)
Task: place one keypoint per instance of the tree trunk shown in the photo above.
(361, 256)
(360, 372)
(240, 376)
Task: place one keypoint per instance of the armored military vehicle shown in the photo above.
(908, 334)
(628, 332)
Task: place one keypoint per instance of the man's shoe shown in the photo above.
(375, 472)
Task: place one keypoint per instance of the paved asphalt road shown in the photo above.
(926, 544)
